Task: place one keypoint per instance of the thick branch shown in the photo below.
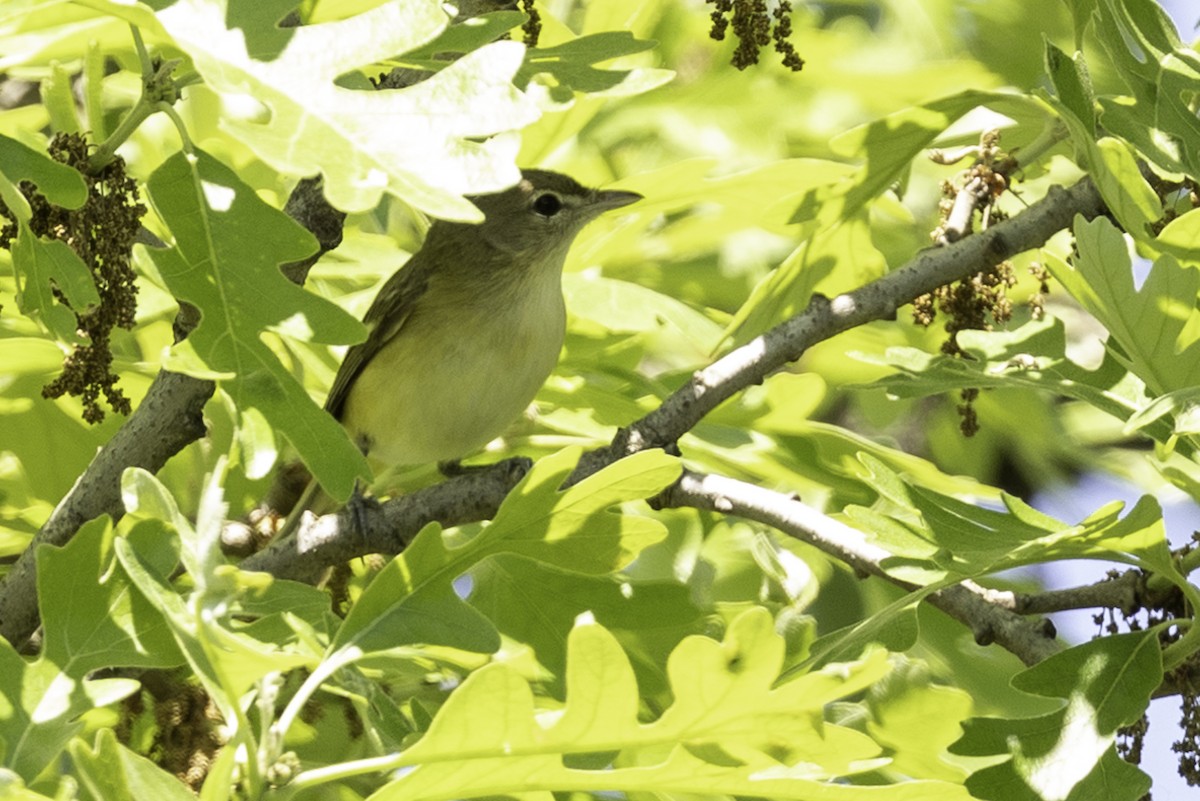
(358, 530)
(824, 318)
(1030, 641)
(1126, 592)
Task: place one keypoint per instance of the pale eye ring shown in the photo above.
(547, 204)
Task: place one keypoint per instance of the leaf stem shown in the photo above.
(1053, 133)
(105, 151)
(159, 93)
(344, 770)
(180, 127)
(273, 742)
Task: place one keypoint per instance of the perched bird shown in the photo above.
(465, 333)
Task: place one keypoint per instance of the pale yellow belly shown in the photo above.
(436, 393)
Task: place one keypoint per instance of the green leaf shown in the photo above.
(226, 662)
(1068, 755)
(570, 66)
(1081, 13)
(93, 619)
(29, 356)
(1004, 359)
(225, 659)
(1152, 325)
(889, 144)
(727, 716)
(532, 603)
(895, 627)
(1145, 52)
(1182, 405)
(40, 707)
(47, 264)
(625, 307)
(844, 248)
(574, 530)
(412, 600)
(965, 540)
(1072, 85)
(12, 788)
(1138, 35)
(839, 241)
(1181, 236)
(918, 720)
(457, 126)
(111, 771)
(1115, 170)
(228, 248)
(466, 35)
(1110, 161)
(93, 616)
(62, 185)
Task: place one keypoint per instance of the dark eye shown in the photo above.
(548, 204)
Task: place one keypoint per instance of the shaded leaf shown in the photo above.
(532, 603)
(109, 770)
(1068, 755)
(1072, 85)
(1032, 356)
(228, 248)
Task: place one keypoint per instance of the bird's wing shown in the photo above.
(386, 317)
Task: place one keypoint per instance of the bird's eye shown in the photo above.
(547, 204)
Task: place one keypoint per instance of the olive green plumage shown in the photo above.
(463, 335)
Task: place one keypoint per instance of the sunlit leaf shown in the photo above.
(715, 737)
(1068, 755)
(452, 123)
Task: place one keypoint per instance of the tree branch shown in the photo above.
(824, 318)
(330, 541)
(1030, 641)
(387, 528)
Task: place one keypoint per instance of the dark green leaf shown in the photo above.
(228, 248)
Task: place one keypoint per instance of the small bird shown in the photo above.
(465, 333)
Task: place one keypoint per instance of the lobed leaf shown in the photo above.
(1003, 359)
(228, 248)
(93, 618)
(428, 144)
(412, 600)
(728, 731)
(1068, 755)
(43, 266)
(1152, 325)
(949, 539)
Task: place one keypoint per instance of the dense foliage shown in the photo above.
(901, 268)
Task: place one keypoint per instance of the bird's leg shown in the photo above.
(453, 468)
(359, 507)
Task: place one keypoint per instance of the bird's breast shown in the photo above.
(457, 374)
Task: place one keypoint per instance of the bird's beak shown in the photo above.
(610, 199)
